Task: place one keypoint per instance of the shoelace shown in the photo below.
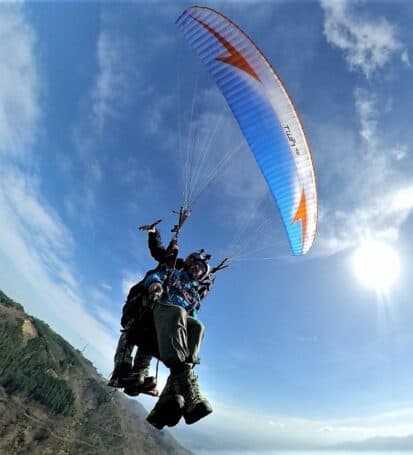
(194, 389)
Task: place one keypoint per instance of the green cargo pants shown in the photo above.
(179, 336)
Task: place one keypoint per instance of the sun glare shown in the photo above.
(376, 264)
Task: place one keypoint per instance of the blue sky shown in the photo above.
(95, 100)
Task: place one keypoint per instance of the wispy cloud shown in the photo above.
(367, 111)
(19, 84)
(35, 244)
(109, 319)
(363, 189)
(257, 431)
(40, 248)
(129, 279)
(106, 286)
(368, 43)
(112, 86)
(365, 174)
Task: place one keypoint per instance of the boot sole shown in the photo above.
(168, 411)
(199, 412)
(148, 387)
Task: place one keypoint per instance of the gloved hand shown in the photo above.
(149, 227)
(155, 291)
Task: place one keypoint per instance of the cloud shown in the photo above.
(366, 176)
(367, 43)
(157, 113)
(239, 429)
(400, 152)
(406, 59)
(35, 224)
(35, 245)
(402, 199)
(106, 102)
(110, 320)
(129, 279)
(108, 96)
(308, 338)
(40, 248)
(379, 215)
(112, 85)
(106, 286)
(19, 83)
(367, 111)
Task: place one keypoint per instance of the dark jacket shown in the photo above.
(165, 257)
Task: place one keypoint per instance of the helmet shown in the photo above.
(201, 258)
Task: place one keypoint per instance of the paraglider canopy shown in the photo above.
(265, 114)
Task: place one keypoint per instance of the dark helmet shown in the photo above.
(201, 258)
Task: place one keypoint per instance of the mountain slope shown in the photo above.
(53, 401)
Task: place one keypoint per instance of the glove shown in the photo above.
(149, 227)
(155, 291)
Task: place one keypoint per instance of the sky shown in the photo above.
(99, 104)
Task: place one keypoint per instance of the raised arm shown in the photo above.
(156, 248)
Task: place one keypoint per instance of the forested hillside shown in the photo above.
(52, 400)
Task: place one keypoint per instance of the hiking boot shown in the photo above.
(168, 408)
(140, 372)
(137, 378)
(120, 373)
(196, 406)
(148, 386)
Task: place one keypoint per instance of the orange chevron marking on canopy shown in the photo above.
(235, 58)
(301, 215)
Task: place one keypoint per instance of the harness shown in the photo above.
(189, 291)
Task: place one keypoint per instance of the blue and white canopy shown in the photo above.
(265, 114)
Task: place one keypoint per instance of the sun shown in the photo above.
(377, 265)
